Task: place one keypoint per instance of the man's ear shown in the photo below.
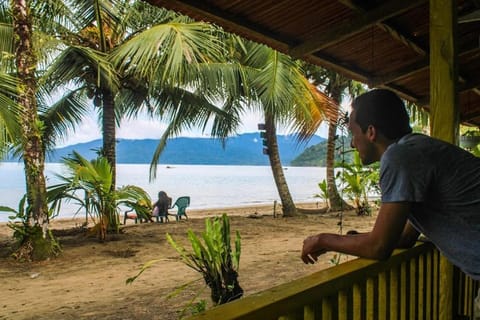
(371, 133)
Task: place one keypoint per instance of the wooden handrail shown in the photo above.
(403, 287)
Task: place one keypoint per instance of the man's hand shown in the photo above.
(311, 250)
(378, 244)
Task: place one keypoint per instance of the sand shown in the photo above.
(88, 279)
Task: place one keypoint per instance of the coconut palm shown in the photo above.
(336, 86)
(24, 55)
(89, 184)
(39, 243)
(88, 64)
(254, 77)
(88, 61)
(285, 97)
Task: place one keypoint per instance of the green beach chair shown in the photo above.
(181, 203)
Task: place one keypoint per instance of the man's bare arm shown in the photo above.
(377, 244)
(407, 240)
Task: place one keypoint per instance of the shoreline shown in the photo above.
(247, 210)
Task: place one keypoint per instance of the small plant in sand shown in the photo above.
(89, 184)
(215, 258)
(323, 193)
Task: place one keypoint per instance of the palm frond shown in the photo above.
(83, 65)
(9, 113)
(63, 116)
(321, 108)
(163, 51)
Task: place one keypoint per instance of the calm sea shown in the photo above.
(208, 186)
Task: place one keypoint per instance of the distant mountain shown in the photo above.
(316, 155)
(244, 149)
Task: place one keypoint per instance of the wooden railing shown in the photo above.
(406, 286)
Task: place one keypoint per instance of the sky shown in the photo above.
(144, 128)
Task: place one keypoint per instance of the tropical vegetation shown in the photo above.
(337, 87)
(358, 183)
(214, 258)
(19, 59)
(129, 57)
(89, 183)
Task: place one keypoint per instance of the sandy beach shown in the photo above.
(88, 279)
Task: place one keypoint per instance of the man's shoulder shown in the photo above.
(415, 138)
(409, 147)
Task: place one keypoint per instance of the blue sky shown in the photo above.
(144, 128)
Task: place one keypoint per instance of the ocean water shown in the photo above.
(208, 186)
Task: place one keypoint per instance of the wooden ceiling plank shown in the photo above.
(342, 31)
(402, 38)
(394, 32)
(400, 73)
(405, 94)
(338, 66)
(419, 66)
(228, 21)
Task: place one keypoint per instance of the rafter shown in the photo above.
(342, 31)
(414, 68)
(393, 31)
(229, 22)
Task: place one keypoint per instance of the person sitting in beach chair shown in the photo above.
(160, 208)
(139, 211)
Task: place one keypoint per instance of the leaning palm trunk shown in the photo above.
(336, 201)
(37, 243)
(288, 206)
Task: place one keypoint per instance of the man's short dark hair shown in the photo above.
(385, 111)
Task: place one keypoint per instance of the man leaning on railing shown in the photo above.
(428, 186)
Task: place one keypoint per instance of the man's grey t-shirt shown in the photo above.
(442, 182)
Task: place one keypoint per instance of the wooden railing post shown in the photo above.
(446, 289)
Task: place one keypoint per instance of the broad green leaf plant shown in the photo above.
(358, 181)
(214, 258)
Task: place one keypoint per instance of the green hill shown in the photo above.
(244, 149)
(316, 155)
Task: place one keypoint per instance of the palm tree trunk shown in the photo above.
(109, 132)
(36, 244)
(110, 220)
(336, 201)
(288, 206)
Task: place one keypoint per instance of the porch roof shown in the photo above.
(380, 43)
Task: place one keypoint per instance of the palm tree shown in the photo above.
(89, 62)
(253, 77)
(39, 243)
(285, 98)
(335, 86)
(93, 179)
(22, 44)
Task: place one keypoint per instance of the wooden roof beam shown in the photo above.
(414, 68)
(338, 66)
(229, 22)
(383, 12)
(388, 28)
